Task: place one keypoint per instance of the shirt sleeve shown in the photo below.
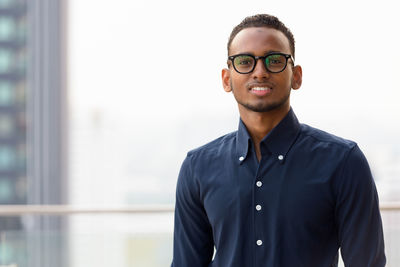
(193, 239)
(357, 214)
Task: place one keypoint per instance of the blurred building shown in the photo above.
(32, 124)
(13, 145)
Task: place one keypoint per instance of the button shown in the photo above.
(259, 183)
(241, 158)
(280, 157)
(258, 207)
(259, 242)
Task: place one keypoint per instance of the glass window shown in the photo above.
(7, 28)
(6, 3)
(6, 93)
(20, 32)
(21, 156)
(21, 60)
(7, 157)
(6, 60)
(6, 125)
(20, 188)
(20, 92)
(5, 190)
(20, 122)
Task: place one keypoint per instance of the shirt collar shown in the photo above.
(278, 141)
(282, 137)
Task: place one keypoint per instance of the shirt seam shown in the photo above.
(344, 143)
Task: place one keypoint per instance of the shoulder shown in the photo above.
(204, 160)
(325, 139)
(214, 148)
(335, 150)
(342, 156)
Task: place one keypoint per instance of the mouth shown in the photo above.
(260, 90)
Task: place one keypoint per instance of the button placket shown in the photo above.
(258, 208)
(259, 199)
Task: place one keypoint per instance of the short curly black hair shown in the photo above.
(263, 20)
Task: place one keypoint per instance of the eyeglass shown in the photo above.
(274, 62)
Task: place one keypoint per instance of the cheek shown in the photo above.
(238, 80)
(286, 80)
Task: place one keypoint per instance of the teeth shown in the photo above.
(260, 88)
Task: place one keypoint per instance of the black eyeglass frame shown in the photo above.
(287, 56)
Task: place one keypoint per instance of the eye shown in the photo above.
(275, 59)
(243, 61)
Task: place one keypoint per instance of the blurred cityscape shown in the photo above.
(52, 155)
(31, 122)
(13, 145)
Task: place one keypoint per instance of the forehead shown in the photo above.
(259, 40)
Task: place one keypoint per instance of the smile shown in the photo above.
(260, 91)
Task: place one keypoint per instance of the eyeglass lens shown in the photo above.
(273, 63)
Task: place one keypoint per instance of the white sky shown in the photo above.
(158, 63)
(157, 58)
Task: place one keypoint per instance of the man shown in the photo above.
(275, 193)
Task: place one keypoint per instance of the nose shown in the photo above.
(260, 71)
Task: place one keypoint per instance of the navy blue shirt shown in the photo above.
(311, 193)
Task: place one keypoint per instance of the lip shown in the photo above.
(260, 89)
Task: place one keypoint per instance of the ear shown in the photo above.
(226, 75)
(297, 77)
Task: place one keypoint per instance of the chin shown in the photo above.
(264, 107)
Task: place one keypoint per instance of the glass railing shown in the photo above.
(64, 236)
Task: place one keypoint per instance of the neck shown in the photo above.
(259, 124)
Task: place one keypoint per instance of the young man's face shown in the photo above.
(260, 90)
